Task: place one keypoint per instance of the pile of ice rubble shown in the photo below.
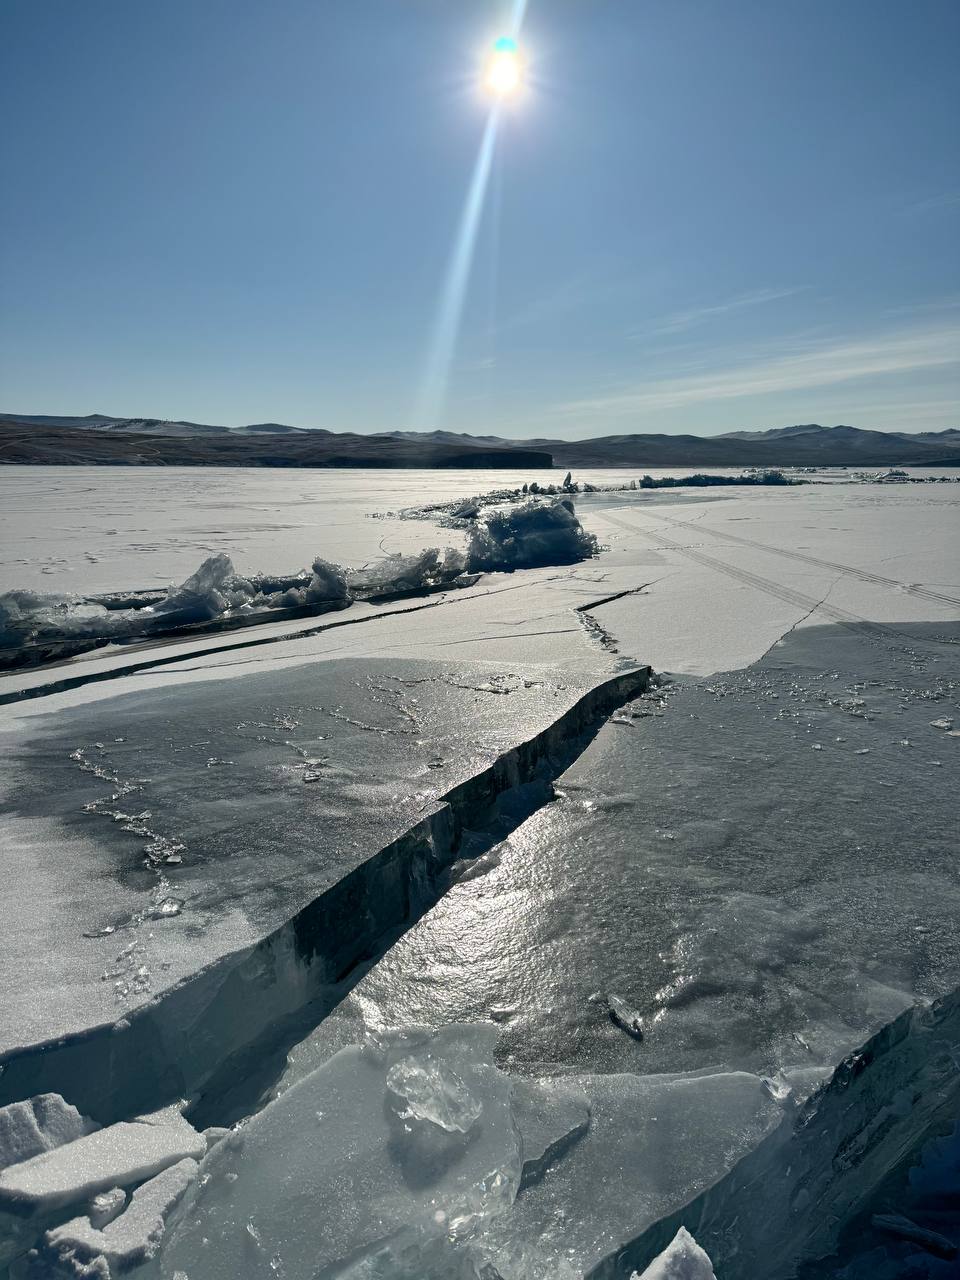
(532, 535)
(413, 1156)
(215, 591)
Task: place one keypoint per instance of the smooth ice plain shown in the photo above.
(596, 919)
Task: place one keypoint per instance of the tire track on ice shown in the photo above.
(788, 595)
(864, 575)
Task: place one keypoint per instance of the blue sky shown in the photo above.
(702, 215)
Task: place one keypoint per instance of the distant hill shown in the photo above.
(801, 446)
(798, 446)
(950, 435)
(98, 438)
(55, 445)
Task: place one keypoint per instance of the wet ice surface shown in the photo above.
(760, 868)
(149, 834)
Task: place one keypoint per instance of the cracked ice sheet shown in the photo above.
(756, 577)
(247, 798)
(733, 574)
(764, 868)
(419, 1191)
(530, 611)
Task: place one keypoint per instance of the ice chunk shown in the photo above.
(327, 584)
(29, 616)
(131, 1238)
(118, 1156)
(206, 594)
(429, 568)
(333, 1170)
(652, 1143)
(788, 1202)
(62, 623)
(434, 1093)
(467, 510)
(168, 1117)
(216, 1133)
(106, 1206)
(683, 1259)
(45, 1122)
(624, 1016)
(528, 536)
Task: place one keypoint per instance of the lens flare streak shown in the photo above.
(436, 375)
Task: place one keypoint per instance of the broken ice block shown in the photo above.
(135, 1235)
(683, 1259)
(434, 1093)
(106, 1206)
(40, 1124)
(118, 1156)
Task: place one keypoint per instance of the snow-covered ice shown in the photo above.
(126, 1240)
(117, 1156)
(37, 628)
(36, 1125)
(108, 528)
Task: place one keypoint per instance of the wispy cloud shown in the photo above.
(915, 411)
(587, 289)
(811, 365)
(680, 321)
(942, 201)
(924, 308)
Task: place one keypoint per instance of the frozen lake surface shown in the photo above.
(111, 528)
(546, 957)
(96, 529)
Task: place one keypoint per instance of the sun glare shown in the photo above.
(504, 71)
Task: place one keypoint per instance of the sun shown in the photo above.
(504, 71)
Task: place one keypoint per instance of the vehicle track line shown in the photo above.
(864, 575)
